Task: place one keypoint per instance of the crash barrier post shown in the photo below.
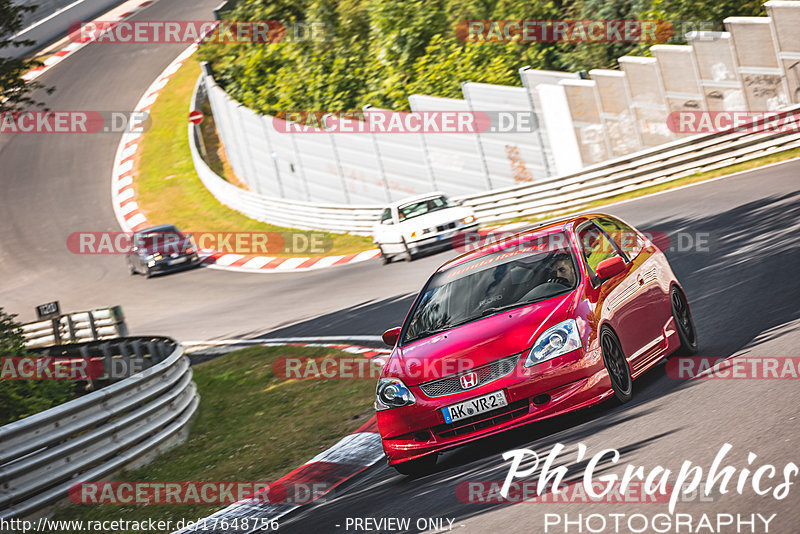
(91, 325)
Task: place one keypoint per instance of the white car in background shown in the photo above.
(421, 223)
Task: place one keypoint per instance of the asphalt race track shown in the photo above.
(744, 292)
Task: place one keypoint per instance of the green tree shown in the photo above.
(379, 52)
(21, 398)
(14, 90)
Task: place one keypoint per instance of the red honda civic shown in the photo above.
(545, 322)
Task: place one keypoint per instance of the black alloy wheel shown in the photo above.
(684, 323)
(617, 366)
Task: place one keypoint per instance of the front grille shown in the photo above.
(486, 373)
(484, 420)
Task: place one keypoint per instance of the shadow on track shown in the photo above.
(368, 318)
(747, 284)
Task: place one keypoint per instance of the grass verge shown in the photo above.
(251, 426)
(168, 189)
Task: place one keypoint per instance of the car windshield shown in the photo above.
(152, 239)
(421, 207)
(492, 283)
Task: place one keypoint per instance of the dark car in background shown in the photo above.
(161, 249)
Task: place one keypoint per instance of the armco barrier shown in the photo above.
(636, 171)
(288, 213)
(642, 169)
(96, 435)
(92, 325)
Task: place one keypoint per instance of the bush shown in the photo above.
(21, 398)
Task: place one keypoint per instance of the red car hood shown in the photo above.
(476, 343)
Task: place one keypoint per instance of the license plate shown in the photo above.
(178, 260)
(475, 406)
(439, 237)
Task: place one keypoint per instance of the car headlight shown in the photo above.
(190, 250)
(419, 233)
(392, 393)
(154, 257)
(555, 341)
(468, 219)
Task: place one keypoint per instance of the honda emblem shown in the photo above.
(469, 380)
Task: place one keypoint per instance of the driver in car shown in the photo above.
(563, 272)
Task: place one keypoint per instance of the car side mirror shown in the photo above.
(610, 267)
(391, 335)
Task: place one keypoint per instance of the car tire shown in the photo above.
(417, 467)
(619, 372)
(385, 259)
(684, 323)
(407, 256)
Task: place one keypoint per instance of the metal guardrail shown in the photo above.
(92, 325)
(288, 213)
(96, 435)
(655, 166)
(547, 196)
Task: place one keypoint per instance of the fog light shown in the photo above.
(541, 399)
(423, 436)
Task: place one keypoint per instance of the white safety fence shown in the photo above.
(642, 169)
(92, 325)
(283, 212)
(94, 436)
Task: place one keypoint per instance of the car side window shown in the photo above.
(595, 246)
(386, 216)
(627, 239)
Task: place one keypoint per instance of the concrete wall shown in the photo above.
(785, 17)
(647, 98)
(717, 71)
(616, 111)
(761, 75)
